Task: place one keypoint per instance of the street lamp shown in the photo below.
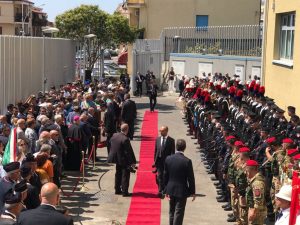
(47, 30)
(88, 37)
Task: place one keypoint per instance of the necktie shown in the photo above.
(163, 142)
(279, 215)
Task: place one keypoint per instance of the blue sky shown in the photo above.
(55, 7)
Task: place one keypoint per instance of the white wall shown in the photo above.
(222, 64)
(21, 66)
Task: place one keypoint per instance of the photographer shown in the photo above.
(121, 154)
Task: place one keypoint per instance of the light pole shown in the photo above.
(49, 30)
(88, 37)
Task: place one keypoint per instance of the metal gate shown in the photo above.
(147, 55)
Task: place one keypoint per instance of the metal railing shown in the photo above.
(240, 40)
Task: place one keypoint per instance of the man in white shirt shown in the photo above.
(283, 201)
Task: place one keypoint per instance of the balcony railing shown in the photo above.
(135, 3)
(18, 18)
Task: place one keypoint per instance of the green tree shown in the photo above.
(89, 19)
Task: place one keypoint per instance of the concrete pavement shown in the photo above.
(99, 205)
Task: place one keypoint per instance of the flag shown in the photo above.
(10, 153)
(295, 206)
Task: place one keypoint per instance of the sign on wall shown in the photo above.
(239, 70)
(178, 67)
(256, 70)
(204, 67)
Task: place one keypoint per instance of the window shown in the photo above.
(0, 30)
(201, 21)
(287, 33)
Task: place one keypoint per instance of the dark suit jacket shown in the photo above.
(121, 152)
(166, 151)
(179, 176)
(128, 112)
(45, 215)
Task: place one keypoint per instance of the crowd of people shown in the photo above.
(247, 143)
(48, 133)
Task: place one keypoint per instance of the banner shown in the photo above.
(295, 206)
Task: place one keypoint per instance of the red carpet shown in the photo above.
(145, 205)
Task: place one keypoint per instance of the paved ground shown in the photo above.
(99, 205)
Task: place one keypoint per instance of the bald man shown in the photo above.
(164, 146)
(46, 213)
(121, 153)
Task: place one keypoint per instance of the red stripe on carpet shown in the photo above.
(145, 207)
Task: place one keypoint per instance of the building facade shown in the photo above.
(20, 17)
(154, 15)
(281, 61)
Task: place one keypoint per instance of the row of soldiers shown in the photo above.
(247, 143)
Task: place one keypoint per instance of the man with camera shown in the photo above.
(121, 154)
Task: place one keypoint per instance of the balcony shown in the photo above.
(135, 3)
(18, 18)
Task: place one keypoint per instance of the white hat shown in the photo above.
(285, 192)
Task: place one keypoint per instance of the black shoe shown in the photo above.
(160, 195)
(97, 159)
(220, 192)
(231, 219)
(118, 192)
(230, 215)
(219, 186)
(222, 200)
(154, 171)
(220, 197)
(226, 205)
(228, 208)
(126, 194)
(217, 183)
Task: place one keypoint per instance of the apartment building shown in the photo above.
(281, 62)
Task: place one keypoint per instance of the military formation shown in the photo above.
(246, 142)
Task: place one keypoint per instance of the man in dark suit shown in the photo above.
(121, 153)
(128, 114)
(179, 182)
(139, 83)
(164, 146)
(152, 93)
(46, 213)
(181, 86)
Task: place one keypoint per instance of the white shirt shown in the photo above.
(284, 220)
(162, 138)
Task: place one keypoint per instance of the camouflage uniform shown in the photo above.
(241, 184)
(277, 162)
(231, 180)
(255, 197)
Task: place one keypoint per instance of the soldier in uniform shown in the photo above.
(6, 183)
(277, 160)
(12, 208)
(231, 174)
(255, 194)
(241, 185)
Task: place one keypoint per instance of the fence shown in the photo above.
(242, 40)
(24, 61)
